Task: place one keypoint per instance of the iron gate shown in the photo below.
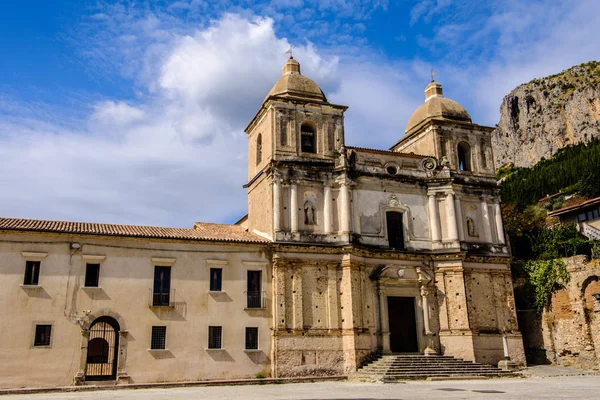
(102, 350)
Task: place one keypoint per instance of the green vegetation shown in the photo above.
(573, 168)
(537, 248)
(545, 276)
(541, 263)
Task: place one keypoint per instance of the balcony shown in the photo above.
(255, 299)
(161, 299)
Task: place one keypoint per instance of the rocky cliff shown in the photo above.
(544, 115)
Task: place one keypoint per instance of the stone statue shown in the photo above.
(309, 213)
(471, 227)
(444, 162)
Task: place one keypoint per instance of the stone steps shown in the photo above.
(409, 367)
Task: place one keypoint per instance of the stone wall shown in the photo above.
(568, 332)
(324, 315)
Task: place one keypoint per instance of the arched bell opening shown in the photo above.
(464, 156)
(308, 142)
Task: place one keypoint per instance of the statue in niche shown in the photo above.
(309, 213)
(471, 227)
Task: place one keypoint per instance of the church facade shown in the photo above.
(345, 252)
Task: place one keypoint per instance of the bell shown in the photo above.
(307, 144)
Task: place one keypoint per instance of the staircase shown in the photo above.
(391, 368)
(590, 231)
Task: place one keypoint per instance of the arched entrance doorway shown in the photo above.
(102, 353)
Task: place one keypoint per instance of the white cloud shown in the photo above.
(175, 156)
(116, 113)
(176, 153)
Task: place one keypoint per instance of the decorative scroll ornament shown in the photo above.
(393, 201)
(429, 164)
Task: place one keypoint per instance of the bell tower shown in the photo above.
(293, 140)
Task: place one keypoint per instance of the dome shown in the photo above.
(294, 85)
(436, 106)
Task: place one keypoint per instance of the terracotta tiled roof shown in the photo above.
(201, 231)
(574, 207)
(388, 152)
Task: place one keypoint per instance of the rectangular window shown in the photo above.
(92, 275)
(215, 335)
(42, 335)
(216, 283)
(581, 217)
(254, 293)
(162, 286)
(159, 338)
(251, 338)
(32, 272)
(395, 230)
(595, 214)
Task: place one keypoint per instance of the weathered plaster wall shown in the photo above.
(126, 277)
(260, 207)
(263, 127)
(370, 206)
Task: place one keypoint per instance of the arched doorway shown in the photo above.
(102, 353)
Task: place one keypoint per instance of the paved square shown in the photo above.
(568, 387)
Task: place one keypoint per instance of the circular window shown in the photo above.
(392, 170)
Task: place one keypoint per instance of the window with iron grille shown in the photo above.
(42, 335)
(159, 338)
(32, 273)
(216, 281)
(251, 338)
(215, 337)
(92, 275)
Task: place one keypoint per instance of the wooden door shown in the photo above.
(403, 325)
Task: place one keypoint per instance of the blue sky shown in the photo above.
(133, 112)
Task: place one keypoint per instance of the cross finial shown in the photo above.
(433, 74)
(290, 52)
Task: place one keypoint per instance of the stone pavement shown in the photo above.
(564, 387)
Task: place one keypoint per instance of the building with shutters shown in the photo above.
(345, 252)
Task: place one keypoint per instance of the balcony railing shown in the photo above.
(255, 299)
(161, 299)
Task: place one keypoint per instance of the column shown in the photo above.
(459, 218)
(425, 303)
(276, 204)
(384, 320)
(346, 214)
(293, 207)
(429, 345)
(327, 200)
(486, 223)
(499, 225)
(451, 217)
(434, 218)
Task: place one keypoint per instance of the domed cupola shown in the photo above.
(294, 85)
(436, 106)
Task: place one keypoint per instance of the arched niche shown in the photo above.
(259, 149)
